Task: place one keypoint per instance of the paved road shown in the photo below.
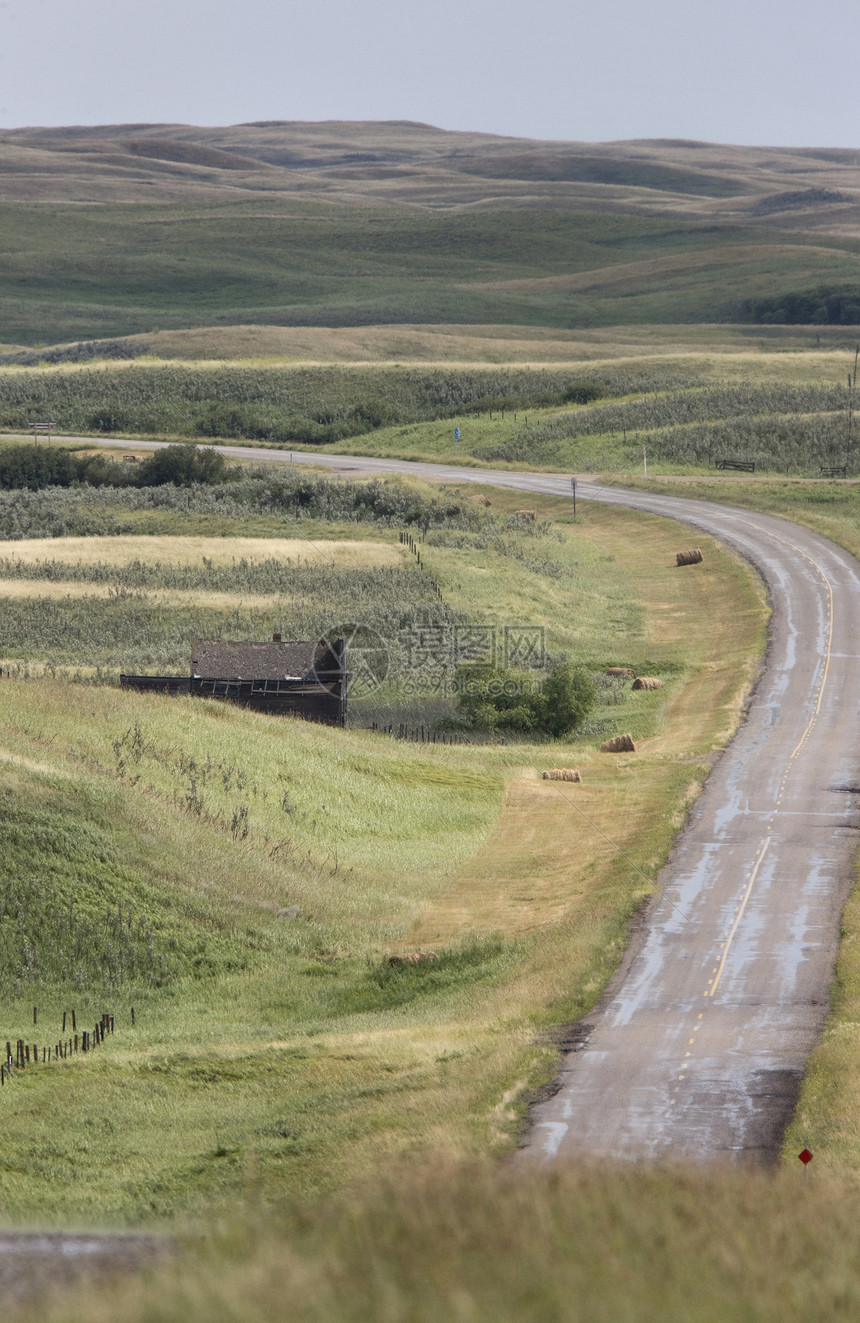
(34, 1263)
(698, 1050)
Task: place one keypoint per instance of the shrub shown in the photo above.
(35, 467)
(567, 696)
(99, 471)
(494, 698)
(184, 466)
(108, 418)
(584, 392)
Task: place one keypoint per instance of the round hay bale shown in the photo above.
(619, 744)
(691, 557)
(562, 774)
(621, 672)
(647, 682)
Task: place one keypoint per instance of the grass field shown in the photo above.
(115, 231)
(286, 1042)
(331, 1121)
(456, 1239)
(97, 606)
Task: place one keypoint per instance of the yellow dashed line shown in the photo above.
(739, 910)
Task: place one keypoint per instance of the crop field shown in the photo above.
(689, 413)
(150, 628)
(309, 405)
(89, 608)
(685, 423)
(787, 428)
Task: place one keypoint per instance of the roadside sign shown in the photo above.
(805, 1157)
(456, 434)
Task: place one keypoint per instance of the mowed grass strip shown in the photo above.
(537, 867)
(286, 1044)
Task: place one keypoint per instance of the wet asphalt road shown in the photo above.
(698, 1050)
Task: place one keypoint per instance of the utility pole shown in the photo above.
(850, 421)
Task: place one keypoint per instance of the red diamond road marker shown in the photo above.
(805, 1156)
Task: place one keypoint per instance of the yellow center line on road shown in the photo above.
(829, 644)
(713, 984)
(740, 915)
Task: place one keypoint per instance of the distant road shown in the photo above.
(698, 1050)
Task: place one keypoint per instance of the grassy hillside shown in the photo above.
(124, 229)
(248, 882)
(787, 412)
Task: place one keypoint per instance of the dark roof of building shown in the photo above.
(263, 661)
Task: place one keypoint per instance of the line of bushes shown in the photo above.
(57, 493)
(823, 305)
(35, 467)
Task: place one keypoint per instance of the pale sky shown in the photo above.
(762, 72)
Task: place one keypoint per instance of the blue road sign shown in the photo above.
(456, 434)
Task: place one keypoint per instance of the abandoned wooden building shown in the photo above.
(300, 679)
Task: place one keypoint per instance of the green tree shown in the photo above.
(493, 698)
(183, 465)
(35, 467)
(567, 696)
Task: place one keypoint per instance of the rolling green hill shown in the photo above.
(123, 229)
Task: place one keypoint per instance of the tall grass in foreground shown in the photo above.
(465, 1243)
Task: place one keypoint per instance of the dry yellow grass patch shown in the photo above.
(31, 764)
(621, 276)
(192, 550)
(536, 865)
(556, 845)
(367, 344)
(45, 588)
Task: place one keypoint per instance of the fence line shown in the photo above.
(407, 540)
(31, 1054)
